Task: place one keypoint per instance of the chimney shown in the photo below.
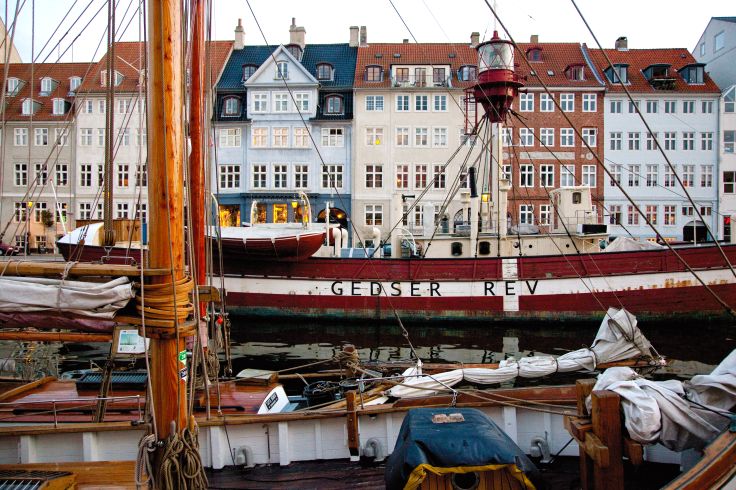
(622, 44)
(354, 36)
(239, 36)
(474, 38)
(534, 39)
(296, 34)
(406, 41)
(363, 36)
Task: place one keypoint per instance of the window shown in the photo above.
(230, 138)
(729, 100)
(260, 102)
(729, 182)
(61, 136)
(324, 71)
(117, 78)
(59, 107)
(706, 141)
(688, 106)
(123, 174)
(615, 141)
(507, 137)
(332, 176)
(547, 175)
(567, 102)
(47, 86)
(670, 140)
(302, 101)
(282, 70)
(41, 174)
(301, 176)
(729, 138)
(260, 137)
(402, 176)
(439, 137)
(590, 136)
(421, 137)
(100, 136)
(402, 103)
(248, 71)
(301, 138)
(526, 102)
(85, 137)
(332, 137)
(547, 136)
(706, 176)
(688, 211)
(373, 136)
(39, 209)
(41, 136)
(141, 175)
(85, 210)
(373, 214)
(438, 176)
(688, 140)
(544, 214)
(467, 73)
(616, 170)
(280, 176)
(526, 175)
(87, 106)
(420, 77)
(420, 176)
(122, 210)
(260, 176)
(373, 176)
(421, 103)
(589, 175)
(402, 136)
(634, 172)
(124, 137)
(85, 175)
(506, 173)
(13, 87)
(123, 106)
(719, 41)
(669, 177)
(526, 137)
(652, 141)
(29, 107)
(567, 137)
(440, 103)
(615, 213)
(526, 214)
(651, 211)
(702, 49)
(633, 216)
(590, 103)
(652, 175)
(669, 214)
(141, 212)
(439, 78)
(546, 104)
(633, 107)
(670, 106)
(373, 74)
(402, 75)
(280, 137)
(374, 103)
(707, 107)
(231, 106)
(334, 104)
(280, 102)
(634, 141)
(652, 106)
(100, 175)
(567, 176)
(615, 107)
(101, 106)
(62, 174)
(688, 175)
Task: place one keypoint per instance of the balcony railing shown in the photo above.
(421, 81)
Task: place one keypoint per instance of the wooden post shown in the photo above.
(352, 426)
(607, 428)
(165, 197)
(583, 388)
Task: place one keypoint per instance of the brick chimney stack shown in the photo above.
(534, 39)
(363, 36)
(354, 33)
(622, 44)
(239, 36)
(297, 34)
(474, 38)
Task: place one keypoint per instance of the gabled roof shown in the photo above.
(131, 58)
(269, 61)
(639, 59)
(725, 19)
(556, 58)
(60, 72)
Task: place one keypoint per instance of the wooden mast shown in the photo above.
(165, 197)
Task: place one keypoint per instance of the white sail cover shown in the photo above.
(88, 299)
(626, 244)
(618, 338)
(664, 411)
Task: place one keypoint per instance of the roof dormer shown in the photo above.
(295, 50)
(29, 107)
(575, 72)
(48, 85)
(534, 53)
(13, 86)
(74, 83)
(693, 74)
(658, 75)
(619, 73)
(325, 71)
(118, 78)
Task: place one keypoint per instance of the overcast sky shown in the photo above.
(646, 23)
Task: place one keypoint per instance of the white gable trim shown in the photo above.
(269, 65)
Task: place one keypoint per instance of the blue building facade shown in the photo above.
(283, 124)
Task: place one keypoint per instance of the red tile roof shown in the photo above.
(60, 72)
(639, 59)
(555, 58)
(130, 58)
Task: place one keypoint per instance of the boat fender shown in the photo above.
(244, 456)
(374, 449)
(539, 447)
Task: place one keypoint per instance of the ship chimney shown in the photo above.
(622, 44)
(297, 34)
(354, 33)
(363, 36)
(474, 39)
(239, 36)
(534, 39)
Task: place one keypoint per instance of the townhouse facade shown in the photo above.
(680, 103)
(37, 153)
(283, 120)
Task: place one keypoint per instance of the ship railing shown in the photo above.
(57, 406)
